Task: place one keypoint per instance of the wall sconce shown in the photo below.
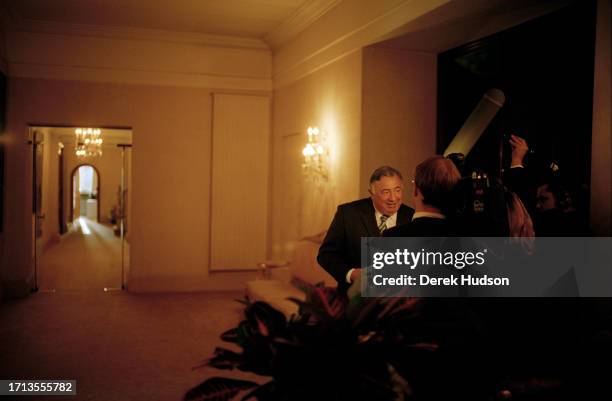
(316, 154)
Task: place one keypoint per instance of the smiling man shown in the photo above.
(340, 252)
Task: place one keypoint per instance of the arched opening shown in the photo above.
(85, 192)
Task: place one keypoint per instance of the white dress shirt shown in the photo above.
(391, 222)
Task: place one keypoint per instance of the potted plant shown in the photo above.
(378, 349)
(334, 349)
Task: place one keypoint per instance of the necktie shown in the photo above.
(383, 223)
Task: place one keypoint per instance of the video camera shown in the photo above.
(481, 206)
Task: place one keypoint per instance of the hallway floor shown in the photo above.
(117, 345)
(88, 257)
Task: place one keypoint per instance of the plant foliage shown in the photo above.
(333, 349)
(399, 349)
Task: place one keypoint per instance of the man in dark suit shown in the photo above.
(435, 184)
(340, 252)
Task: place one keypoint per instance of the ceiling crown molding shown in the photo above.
(14, 22)
(139, 77)
(141, 34)
(301, 19)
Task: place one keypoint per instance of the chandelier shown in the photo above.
(88, 142)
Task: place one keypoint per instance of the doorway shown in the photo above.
(85, 193)
(80, 209)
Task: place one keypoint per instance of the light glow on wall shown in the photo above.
(316, 154)
(331, 129)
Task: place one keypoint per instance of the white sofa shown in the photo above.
(275, 287)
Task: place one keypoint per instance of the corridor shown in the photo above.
(88, 257)
(116, 345)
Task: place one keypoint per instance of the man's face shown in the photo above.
(386, 194)
(545, 199)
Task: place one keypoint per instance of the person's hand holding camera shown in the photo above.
(519, 150)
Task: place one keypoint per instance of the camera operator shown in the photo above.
(549, 201)
(556, 214)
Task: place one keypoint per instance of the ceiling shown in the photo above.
(462, 21)
(243, 18)
(270, 23)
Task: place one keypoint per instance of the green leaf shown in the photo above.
(246, 301)
(322, 302)
(265, 320)
(225, 359)
(368, 312)
(408, 307)
(308, 309)
(218, 389)
(401, 387)
(231, 335)
(262, 393)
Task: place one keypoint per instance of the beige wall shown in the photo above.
(330, 99)
(399, 111)
(171, 139)
(601, 160)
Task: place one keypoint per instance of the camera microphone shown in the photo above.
(477, 122)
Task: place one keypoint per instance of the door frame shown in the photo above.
(60, 193)
(38, 142)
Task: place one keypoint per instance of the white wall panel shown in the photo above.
(240, 179)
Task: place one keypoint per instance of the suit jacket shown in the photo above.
(341, 248)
